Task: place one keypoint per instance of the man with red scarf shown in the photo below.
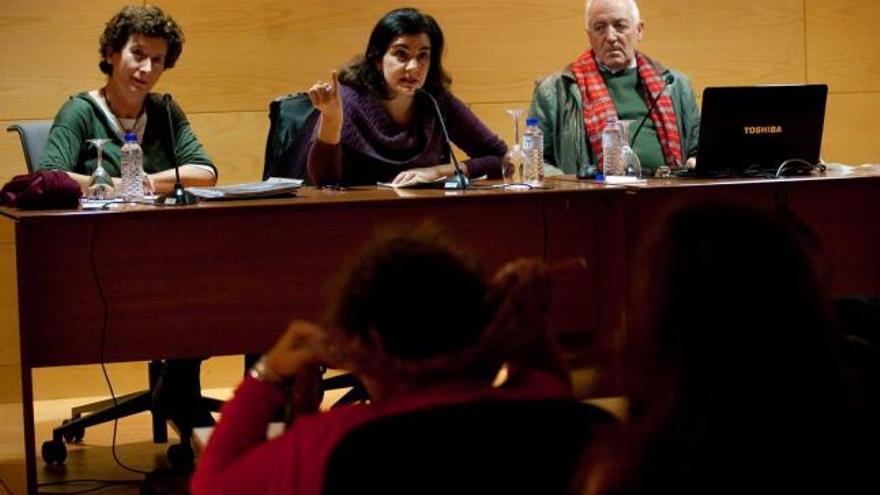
(614, 79)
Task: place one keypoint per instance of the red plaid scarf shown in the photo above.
(598, 105)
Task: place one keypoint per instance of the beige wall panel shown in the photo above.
(222, 371)
(497, 58)
(50, 51)
(88, 380)
(851, 128)
(842, 44)
(495, 116)
(9, 340)
(10, 385)
(497, 50)
(11, 418)
(727, 43)
(241, 54)
(12, 444)
(236, 142)
(279, 47)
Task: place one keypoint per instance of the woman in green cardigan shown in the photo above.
(137, 45)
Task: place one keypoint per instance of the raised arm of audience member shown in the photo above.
(408, 356)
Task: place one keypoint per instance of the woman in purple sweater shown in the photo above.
(375, 127)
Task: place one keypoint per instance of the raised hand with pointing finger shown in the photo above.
(326, 99)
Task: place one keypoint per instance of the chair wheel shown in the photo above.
(74, 436)
(180, 457)
(54, 452)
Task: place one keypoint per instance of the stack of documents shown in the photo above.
(274, 186)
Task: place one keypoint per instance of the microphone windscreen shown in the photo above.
(670, 81)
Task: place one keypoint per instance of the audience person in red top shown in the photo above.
(392, 327)
(733, 377)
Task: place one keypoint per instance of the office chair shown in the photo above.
(530, 446)
(180, 456)
(292, 120)
(34, 136)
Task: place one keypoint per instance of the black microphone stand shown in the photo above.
(179, 195)
(459, 180)
(669, 79)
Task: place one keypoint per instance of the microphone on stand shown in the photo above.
(670, 80)
(179, 195)
(460, 180)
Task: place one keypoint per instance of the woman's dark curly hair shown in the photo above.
(395, 287)
(145, 20)
(365, 70)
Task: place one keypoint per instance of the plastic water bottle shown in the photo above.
(132, 169)
(612, 148)
(533, 145)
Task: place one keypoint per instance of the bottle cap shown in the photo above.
(130, 136)
(532, 121)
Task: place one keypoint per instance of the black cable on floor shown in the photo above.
(104, 324)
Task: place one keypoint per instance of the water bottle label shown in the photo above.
(132, 172)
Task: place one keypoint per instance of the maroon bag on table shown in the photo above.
(43, 189)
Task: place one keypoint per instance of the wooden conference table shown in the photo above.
(226, 277)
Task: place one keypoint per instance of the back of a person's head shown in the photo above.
(419, 294)
(733, 363)
(737, 283)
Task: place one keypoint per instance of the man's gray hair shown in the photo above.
(634, 8)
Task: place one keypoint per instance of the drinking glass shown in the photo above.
(100, 182)
(149, 193)
(632, 166)
(515, 161)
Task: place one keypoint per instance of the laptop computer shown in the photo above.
(761, 130)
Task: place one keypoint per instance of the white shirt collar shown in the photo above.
(603, 68)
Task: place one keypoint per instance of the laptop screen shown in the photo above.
(757, 128)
